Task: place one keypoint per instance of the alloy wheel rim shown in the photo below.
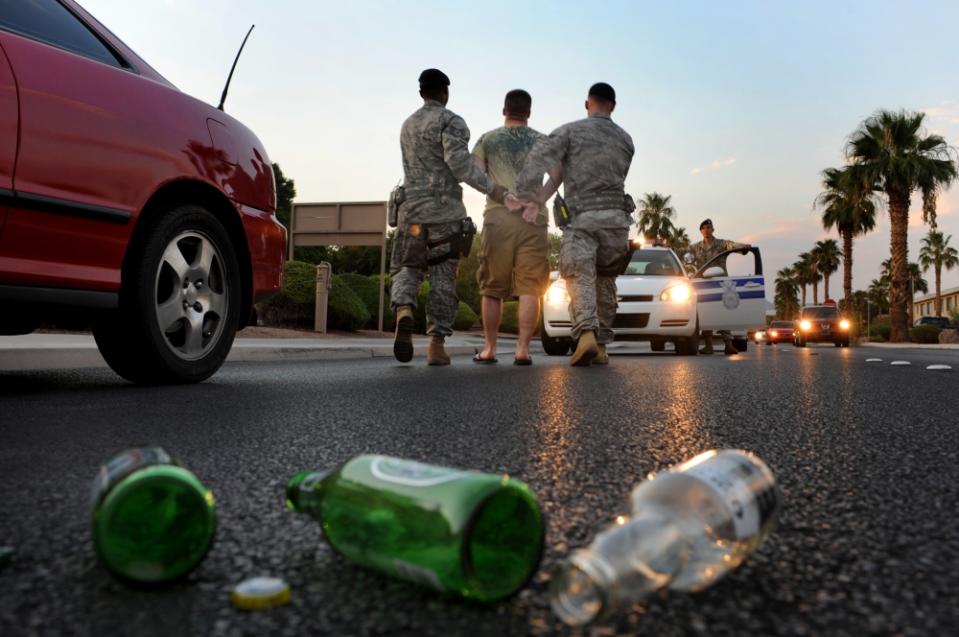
(191, 295)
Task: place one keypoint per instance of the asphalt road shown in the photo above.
(866, 455)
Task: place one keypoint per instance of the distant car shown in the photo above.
(936, 321)
(822, 324)
(659, 302)
(779, 332)
(145, 210)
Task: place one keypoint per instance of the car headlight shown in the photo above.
(759, 335)
(774, 333)
(557, 294)
(676, 293)
(805, 325)
(844, 324)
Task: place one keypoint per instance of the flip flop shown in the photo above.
(479, 360)
(522, 361)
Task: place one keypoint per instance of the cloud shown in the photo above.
(783, 228)
(946, 111)
(714, 165)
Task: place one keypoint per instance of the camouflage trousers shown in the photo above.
(594, 240)
(414, 246)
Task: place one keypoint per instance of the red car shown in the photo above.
(122, 198)
(780, 332)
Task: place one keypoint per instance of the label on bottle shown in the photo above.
(736, 481)
(411, 473)
(124, 464)
(418, 575)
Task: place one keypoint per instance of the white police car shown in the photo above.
(659, 302)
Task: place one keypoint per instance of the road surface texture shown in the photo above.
(865, 453)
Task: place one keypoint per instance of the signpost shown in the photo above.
(342, 224)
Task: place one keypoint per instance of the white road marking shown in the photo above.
(939, 367)
(873, 360)
(900, 363)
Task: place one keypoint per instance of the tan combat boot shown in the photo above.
(602, 358)
(586, 350)
(436, 353)
(403, 342)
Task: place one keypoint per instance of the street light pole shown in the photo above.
(868, 334)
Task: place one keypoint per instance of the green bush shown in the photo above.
(368, 289)
(924, 334)
(509, 324)
(880, 329)
(294, 304)
(345, 310)
(299, 282)
(465, 317)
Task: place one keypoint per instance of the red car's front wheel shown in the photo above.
(179, 303)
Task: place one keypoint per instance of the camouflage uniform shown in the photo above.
(434, 142)
(703, 253)
(595, 155)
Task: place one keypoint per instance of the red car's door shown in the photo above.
(85, 151)
(9, 115)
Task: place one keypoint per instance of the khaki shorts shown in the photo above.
(513, 257)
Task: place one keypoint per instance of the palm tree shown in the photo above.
(936, 253)
(915, 281)
(878, 295)
(787, 289)
(890, 152)
(655, 215)
(851, 211)
(678, 240)
(808, 274)
(827, 261)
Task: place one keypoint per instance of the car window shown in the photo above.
(51, 22)
(782, 324)
(820, 312)
(654, 263)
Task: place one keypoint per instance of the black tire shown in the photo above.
(688, 345)
(553, 346)
(740, 344)
(200, 303)
(657, 345)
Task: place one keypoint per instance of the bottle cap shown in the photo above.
(260, 593)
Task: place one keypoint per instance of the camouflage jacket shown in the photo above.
(594, 153)
(436, 158)
(703, 253)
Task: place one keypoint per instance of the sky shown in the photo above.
(735, 108)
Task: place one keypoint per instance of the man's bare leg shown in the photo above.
(492, 309)
(528, 316)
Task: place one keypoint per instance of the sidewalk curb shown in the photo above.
(943, 346)
(27, 359)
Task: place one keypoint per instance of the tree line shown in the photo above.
(888, 158)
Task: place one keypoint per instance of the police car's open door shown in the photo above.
(731, 291)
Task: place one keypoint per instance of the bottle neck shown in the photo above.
(303, 491)
(625, 564)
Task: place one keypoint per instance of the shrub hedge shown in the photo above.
(368, 289)
(924, 334)
(510, 321)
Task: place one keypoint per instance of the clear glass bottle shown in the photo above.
(472, 534)
(153, 521)
(690, 525)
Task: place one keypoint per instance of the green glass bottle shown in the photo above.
(153, 521)
(476, 535)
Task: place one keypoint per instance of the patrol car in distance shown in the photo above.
(822, 323)
(660, 302)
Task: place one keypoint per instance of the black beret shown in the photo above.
(603, 90)
(433, 78)
(706, 222)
